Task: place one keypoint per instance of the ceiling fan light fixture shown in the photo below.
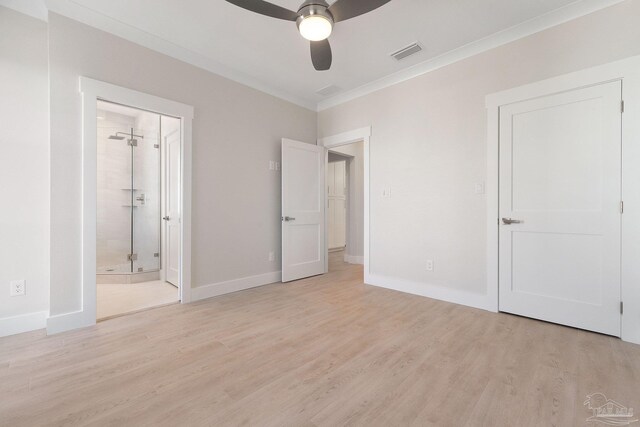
(315, 27)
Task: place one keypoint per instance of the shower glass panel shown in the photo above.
(146, 192)
(128, 193)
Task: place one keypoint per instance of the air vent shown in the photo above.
(329, 90)
(407, 51)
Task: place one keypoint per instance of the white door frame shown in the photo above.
(92, 91)
(357, 135)
(628, 71)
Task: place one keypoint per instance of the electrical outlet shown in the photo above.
(272, 256)
(479, 188)
(429, 265)
(277, 166)
(272, 165)
(17, 288)
(386, 192)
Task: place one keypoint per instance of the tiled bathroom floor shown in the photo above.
(118, 299)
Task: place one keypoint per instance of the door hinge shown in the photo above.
(622, 106)
(621, 207)
(621, 307)
(132, 257)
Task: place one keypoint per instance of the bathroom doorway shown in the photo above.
(138, 210)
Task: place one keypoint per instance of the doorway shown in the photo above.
(138, 210)
(345, 205)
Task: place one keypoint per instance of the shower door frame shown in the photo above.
(92, 91)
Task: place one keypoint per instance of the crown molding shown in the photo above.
(527, 28)
(95, 19)
(34, 8)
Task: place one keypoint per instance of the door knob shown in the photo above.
(166, 218)
(288, 218)
(509, 221)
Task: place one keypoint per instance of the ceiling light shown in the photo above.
(315, 27)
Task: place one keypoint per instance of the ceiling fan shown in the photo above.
(315, 20)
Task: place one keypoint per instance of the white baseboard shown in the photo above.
(23, 323)
(221, 288)
(353, 259)
(469, 299)
(68, 321)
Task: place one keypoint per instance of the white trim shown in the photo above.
(525, 29)
(222, 288)
(345, 138)
(431, 291)
(96, 19)
(627, 70)
(69, 321)
(353, 259)
(23, 323)
(34, 8)
(91, 91)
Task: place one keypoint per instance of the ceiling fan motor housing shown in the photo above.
(314, 7)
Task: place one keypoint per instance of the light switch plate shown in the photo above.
(272, 165)
(386, 192)
(479, 187)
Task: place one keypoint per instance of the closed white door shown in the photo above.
(337, 206)
(560, 218)
(303, 243)
(172, 201)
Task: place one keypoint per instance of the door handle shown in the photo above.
(166, 218)
(509, 221)
(288, 218)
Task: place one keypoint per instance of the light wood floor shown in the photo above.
(118, 299)
(326, 351)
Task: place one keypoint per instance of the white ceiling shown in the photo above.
(269, 54)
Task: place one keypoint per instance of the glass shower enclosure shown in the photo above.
(128, 193)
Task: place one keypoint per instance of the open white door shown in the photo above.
(303, 243)
(172, 199)
(560, 192)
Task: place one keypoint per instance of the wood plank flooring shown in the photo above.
(325, 351)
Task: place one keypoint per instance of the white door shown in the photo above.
(303, 245)
(560, 219)
(337, 206)
(172, 200)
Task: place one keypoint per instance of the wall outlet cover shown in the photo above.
(429, 265)
(17, 288)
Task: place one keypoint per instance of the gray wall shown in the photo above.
(428, 145)
(24, 167)
(236, 131)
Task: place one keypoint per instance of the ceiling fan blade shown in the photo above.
(321, 55)
(266, 8)
(342, 10)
